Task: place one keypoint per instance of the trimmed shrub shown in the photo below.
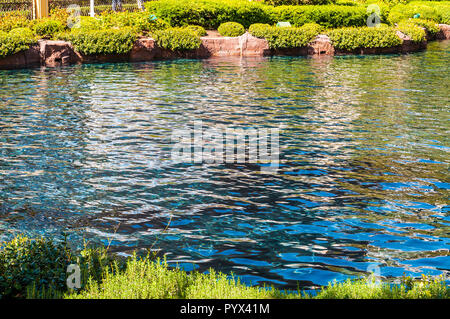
(365, 37)
(231, 29)
(284, 38)
(47, 28)
(329, 16)
(297, 2)
(13, 20)
(25, 262)
(140, 21)
(113, 41)
(198, 29)
(16, 40)
(209, 13)
(438, 11)
(431, 26)
(416, 33)
(177, 39)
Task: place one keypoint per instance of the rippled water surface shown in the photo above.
(364, 177)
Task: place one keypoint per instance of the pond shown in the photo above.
(363, 182)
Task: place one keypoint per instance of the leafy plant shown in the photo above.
(416, 33)
(365, 37)
(12, 20)
(16, 40)
(25, 262)
(231, 29)
(282, 38)
(177, 39)
(430, 25)
(93, 42)
(47, 28)
(196, 28)
(297, 2)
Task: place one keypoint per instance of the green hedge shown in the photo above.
(177, 39)
(416, 33)
(284, 38)
(438, 11)
(47, 28)
(198, 29)
(209, 13)
(231, 29)
(431, 26)
(329, 16)
(297, 2)
(112, 41)
(365, 37)
(16, 40)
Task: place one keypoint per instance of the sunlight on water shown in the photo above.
(364, 174)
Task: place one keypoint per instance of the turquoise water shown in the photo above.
(363, 182)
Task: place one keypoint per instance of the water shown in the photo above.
(363, 183)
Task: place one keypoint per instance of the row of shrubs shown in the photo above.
(211, 13)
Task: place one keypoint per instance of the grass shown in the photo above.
(39, 265)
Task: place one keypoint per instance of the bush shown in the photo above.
(16, 40)
(113, 41)
(25, 262)
(47, 28)
(329, 16)
(438, 11)
(13, 20)
(198, 29)
(209, 13)
(231, 29)
(431, 26)
(140, 21)
(416, 33)
(283, 38)
(177, 39)
(297, 2)
(365, 37)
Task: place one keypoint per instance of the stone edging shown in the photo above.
(55, 53)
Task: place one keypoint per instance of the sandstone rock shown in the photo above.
(444, 34)
(56, 53)
(321, 45)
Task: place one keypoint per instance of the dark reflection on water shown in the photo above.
(364, 178)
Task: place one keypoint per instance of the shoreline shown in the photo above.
(55, 53)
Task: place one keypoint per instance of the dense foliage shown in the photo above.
(438, 11)
(231, 29)
(12, 20)
(25, 262)
(416, 33)
(103, 41)
(38, 269)
(297, 2)
(177, 39)
(429, 25)
(365, 37)
(47, 28)
(16, 40)
(211, 13)
(284, 38)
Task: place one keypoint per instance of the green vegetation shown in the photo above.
(37, 269)
(16, 40)
(93, 42)
(429, 25)
(283, 38)
(12, 20)
(297, 2)
(177, 39)
(438, 11)
(366, 37)
(231, 29)
(416, 33)
(198, 29)
(47, 28)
